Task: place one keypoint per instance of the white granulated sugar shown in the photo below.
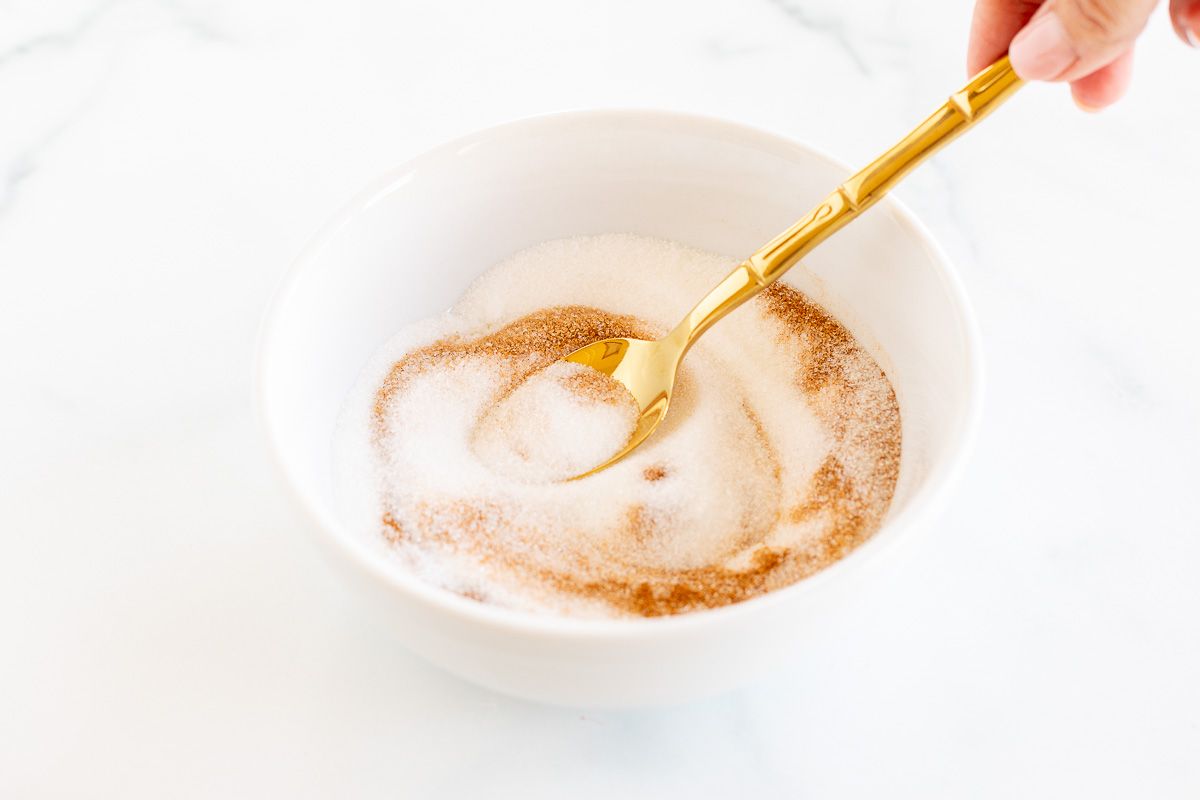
(779, 454)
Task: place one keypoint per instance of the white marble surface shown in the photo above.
(170, 631)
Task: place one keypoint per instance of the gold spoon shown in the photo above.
(647, 369)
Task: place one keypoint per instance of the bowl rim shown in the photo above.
(921, 507)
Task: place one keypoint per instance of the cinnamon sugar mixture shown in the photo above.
(779, 456)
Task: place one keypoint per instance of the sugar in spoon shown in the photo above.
(648, 368)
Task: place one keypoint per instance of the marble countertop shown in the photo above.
(169, 632)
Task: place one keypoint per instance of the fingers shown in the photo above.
(1069, 39)
(993, 26)
(1105, 86)
(1185, 15)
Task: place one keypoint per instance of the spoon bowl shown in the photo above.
(646, 369)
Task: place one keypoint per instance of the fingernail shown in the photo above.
(1042, 51)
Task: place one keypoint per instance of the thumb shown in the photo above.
(1068, 39)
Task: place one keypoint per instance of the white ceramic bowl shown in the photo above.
(409, 245)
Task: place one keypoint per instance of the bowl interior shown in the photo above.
(409, 246)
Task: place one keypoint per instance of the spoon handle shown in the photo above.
(973, 102)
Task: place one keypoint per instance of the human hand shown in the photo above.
(1087, 43)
